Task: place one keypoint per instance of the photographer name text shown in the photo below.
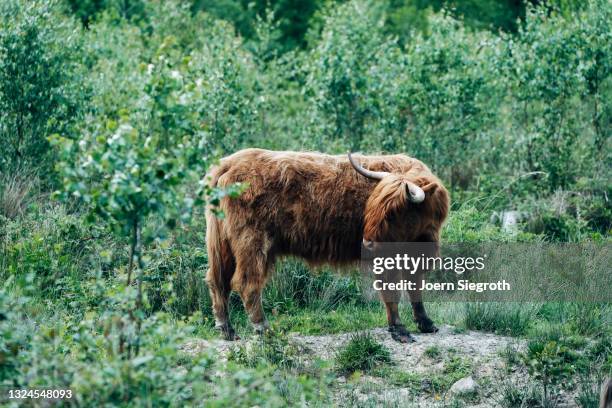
(461, 285)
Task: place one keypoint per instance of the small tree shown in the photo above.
(550, 363)
(559, 82)
(129, 171)
(41, 89)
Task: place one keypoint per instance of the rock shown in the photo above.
(508, 219)
(464, 386)
(426, 384)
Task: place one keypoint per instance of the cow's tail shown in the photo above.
(213, 243)
(221, 262)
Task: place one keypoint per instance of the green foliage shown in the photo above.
(270, 348)
(513, 396)
(362, 352)
(145, 96)
(88, 10)
(41, 82)
(550, 363)
(559, 74)
(85, 356)
(292, 18)
(406, 15)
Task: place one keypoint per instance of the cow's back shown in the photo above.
(309, 204)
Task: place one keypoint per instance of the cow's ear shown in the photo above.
(430, 188)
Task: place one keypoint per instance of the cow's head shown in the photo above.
(403, 207)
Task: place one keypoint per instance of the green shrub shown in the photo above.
(362, 352)
(57, 254)
(85, 356)
(432, 352)
(559, 73)
(550, 363)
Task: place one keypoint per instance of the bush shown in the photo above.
(559, 76)
(362, 352)
(85, 356)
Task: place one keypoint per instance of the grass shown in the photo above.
(510, 356)
(502, 318)
(55, 250)
(271, 348)
(455, 368)
(433, 352)
(435, 383)
(513, 396)
(16, 191)
(362, 353)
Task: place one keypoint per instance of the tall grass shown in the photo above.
(502, 318)
(294, 286)
(16, 192)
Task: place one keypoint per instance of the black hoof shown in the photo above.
(228, 332)
(427, 326)
(261, 328)
(400, 334)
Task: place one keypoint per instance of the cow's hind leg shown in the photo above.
(252, 267)
(219, 294)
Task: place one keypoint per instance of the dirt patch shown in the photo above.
(481, 350)
(426, 359)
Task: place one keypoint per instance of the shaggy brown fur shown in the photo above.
(317, 207)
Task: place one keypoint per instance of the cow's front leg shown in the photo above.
(396, 328)
(423, 322)
(249, 279)
(251, 297)
(391, 300)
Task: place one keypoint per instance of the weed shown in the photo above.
(513, 396)
(588, 391)
(510, 356)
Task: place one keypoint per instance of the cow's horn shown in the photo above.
(415, 193)
(375, 175)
